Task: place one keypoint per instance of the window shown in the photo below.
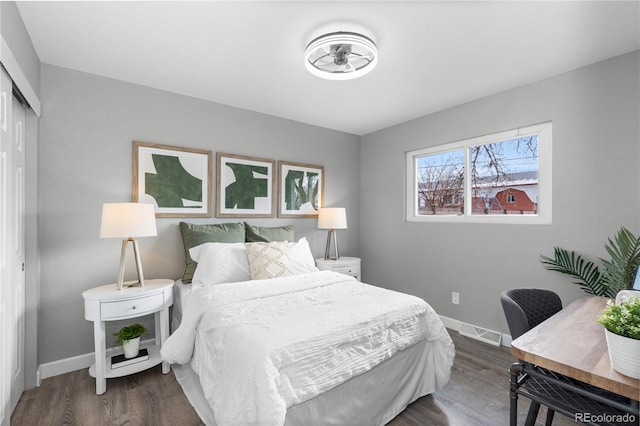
(504, 177)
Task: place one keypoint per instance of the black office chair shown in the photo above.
(524, 308)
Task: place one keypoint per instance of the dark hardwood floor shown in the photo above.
(478, 394)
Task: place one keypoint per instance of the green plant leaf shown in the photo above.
(129, 332)
(585, 272)
(623, 319)
(617, 274)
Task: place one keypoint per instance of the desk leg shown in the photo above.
(99, 336)
(164, 331)
(515, 370)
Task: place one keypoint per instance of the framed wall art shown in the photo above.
(176, 180)
(301, 189)
(245, 186)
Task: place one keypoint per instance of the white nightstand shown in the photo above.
(344, 265)
(107, 303)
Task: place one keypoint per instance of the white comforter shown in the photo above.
(259, 347)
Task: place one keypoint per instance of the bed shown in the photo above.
(301, 347)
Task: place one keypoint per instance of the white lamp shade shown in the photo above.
(126, 220)
(332, 218)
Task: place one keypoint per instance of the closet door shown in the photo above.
(12, 250)
(17, 239)
(6, 345)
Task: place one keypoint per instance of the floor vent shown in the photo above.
(479, 333)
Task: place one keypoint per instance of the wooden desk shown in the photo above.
(572, 343)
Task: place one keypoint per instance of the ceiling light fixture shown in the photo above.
(341, 56)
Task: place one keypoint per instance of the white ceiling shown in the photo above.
(432, 55)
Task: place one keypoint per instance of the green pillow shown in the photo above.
(194, 235)
(264, 234)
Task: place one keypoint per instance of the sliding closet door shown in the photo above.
(17, 239)
(12, 250)
(6, 99)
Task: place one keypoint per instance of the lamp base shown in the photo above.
(128, 284)
(327, 251)
(136, 252)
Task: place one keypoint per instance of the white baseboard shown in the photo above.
(454, 324)
(67, 365)
(506, 340)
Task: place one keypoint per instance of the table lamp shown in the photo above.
(128, 221)
(332, 218)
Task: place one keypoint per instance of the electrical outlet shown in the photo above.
(455, 298)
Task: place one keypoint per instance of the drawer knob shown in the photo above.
(134, 306)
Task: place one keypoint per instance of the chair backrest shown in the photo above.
(524, 308)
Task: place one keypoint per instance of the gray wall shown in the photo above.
(596, 190)
(86, 133)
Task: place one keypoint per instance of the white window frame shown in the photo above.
(543, 216)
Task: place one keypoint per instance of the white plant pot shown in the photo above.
(131, 347)
(624, 353)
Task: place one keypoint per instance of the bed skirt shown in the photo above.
(372, 398)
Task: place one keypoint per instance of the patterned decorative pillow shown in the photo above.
(268, 260)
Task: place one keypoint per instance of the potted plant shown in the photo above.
(617, 274)
(622, 328)
(129, 338)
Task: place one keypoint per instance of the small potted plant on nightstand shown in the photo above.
(622, 327)
(129, 338)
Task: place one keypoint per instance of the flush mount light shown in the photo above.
(341, 56)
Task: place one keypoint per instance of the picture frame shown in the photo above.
(300, 189)
(245, 186)
(175, 179)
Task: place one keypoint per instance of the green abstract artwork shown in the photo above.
(172, 184)
(301, 187)
(245, 186)
(250, 182)
(175, 179)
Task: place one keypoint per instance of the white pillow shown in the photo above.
(220, 263)
(302, 260)
(268, 260)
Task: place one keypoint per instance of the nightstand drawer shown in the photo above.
(353, 270)
(125, 308)
(344, 265)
